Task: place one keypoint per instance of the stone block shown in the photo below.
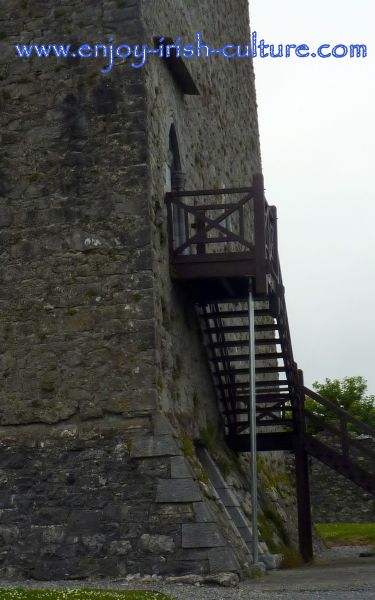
(180, 468)
(120, 547)
(6, 217)
(156, 544)
(195, 555)
(271, 561)
(162, 425)
(171, 513)
(53, 534)
(203, 513)
(222, 560)
(93, 543)
(223, 579)
(186, 579)
(149, 446)
(201, 535)
(177, 490)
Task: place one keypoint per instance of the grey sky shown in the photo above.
(317, 130)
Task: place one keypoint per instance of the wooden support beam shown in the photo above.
(302, 478)
(303, 502)
(266, 442)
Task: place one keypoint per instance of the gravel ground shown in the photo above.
(338, 574)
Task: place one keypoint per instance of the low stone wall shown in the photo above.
(335, 499)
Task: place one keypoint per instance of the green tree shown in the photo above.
(348, 393)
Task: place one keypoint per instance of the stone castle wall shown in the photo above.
(218, 141)
(76, 284)
(96, 342)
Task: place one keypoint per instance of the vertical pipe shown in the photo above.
(253, 425)
(302, 478)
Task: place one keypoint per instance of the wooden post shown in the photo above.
(302, 479)
(260, 235)
(200, 227)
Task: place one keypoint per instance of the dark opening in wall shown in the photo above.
(176, 66)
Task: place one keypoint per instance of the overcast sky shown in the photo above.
(317, 129)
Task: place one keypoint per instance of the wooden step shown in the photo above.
(241, 343)
(259, 384)
(245, 371)
(239, 329)
(234, 314)
(245, 357)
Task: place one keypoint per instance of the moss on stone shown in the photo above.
(272, 515)
(256, 573)
(91, 293)
(272, 479)
(189, 452)
(291, 558)
(225, 458)
(266, 533)
(159, 384)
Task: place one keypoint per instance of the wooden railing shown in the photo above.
(340, 429)
(198, 226)
(239, 225)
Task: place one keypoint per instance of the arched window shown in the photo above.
(176, 183)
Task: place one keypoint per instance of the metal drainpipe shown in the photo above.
(253, 425)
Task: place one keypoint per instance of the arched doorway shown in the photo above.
(176, 183)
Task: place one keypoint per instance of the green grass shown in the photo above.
(347, 534)
(16, 594)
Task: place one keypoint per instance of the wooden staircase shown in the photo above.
(225, 248)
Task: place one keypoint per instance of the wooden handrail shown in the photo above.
(340, 412)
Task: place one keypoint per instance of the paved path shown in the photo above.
(338, 574)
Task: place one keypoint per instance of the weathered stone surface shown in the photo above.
(6, 217)
(223, 579)
(195, 555)
(228, 498)
(95, 339)
(339, 500)
(186, 579)
(176, 512)
(180, 468)
(203, 514)
(177, 490)
(222, 561)
(162, 425)
(257, 570)
(156, 544)
(245, 533)
(238, 517)
(202, 535)
(212, 469)
(271, 561)
(120, 547)
(149, 446)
